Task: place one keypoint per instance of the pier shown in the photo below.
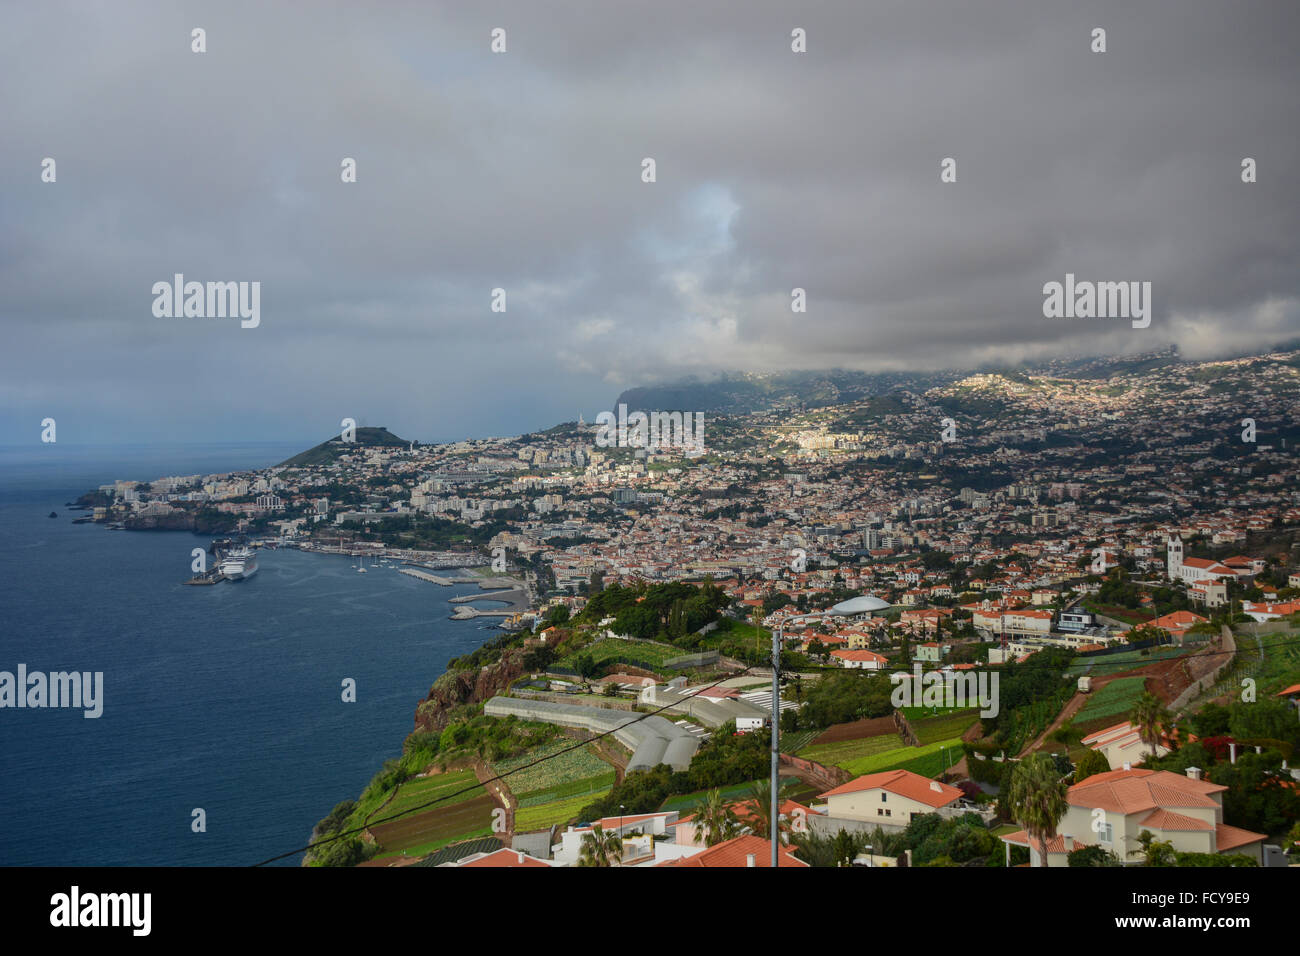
(436, 578)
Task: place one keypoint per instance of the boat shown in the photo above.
(362, 569)
(238, 565)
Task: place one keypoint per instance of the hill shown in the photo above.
(330, 449)
(751, 392)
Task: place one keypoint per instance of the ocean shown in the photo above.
(226, 699)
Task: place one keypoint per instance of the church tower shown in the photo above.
(1174, 561)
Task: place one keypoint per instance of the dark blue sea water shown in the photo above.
(226, 698)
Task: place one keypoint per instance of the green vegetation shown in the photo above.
(1107, 664)
(611, 650)
(1036, 799)
(1091, 762)
(665, 612)
(842, 696)
(1115, 699)
(723, 760)
(1031, 694)
(577, 773)
(933, 840)
(548, 814)
(952, 726)
(846, 751)
(899, 756)
(333, 448)
(479, 735)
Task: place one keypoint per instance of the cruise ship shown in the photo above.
(239, 564)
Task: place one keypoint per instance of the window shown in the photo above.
(883, 796)
(1107, 834)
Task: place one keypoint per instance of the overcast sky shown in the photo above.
(522, 170)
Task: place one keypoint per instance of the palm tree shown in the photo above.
(601, 848)
(1150, 717)
(1036, 799)
(715, 822)
(758, 808)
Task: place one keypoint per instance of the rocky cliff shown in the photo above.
(457, 688)
(182, 521)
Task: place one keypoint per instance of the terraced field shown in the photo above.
(554, 791)
(559, 773)
(1114, 700)
(933, 729)
(646, 654)
(460, 817)
(438, 786)
(548, 814)
(844, 752)
(1103, 665)
(904, 756)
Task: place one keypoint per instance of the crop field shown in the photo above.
(857, 729)
(932, 729)
(904, 757)
(1280, 666)
(421, 790)
(428, 830)
(555, 812)
(934, 763)
(792, 743)
(845, 752)
(578, 771)
(1103, 665)
(649, 655)
(1116, 699)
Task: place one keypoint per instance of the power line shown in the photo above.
(583, 743)
(484, 783)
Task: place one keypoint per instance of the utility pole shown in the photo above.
(777, 634)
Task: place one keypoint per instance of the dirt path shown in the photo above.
(611, 754)
(499, 792)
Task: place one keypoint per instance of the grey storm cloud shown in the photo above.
(521, 170)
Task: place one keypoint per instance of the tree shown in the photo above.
(759, 809)
(846, 848)
(715, 822)
(1036, 799)
(1092, 856)
(601, 848)
(1266, 719)
(585, 665)
(1156, 852)
(1150, 717)
(1211, 721)
(1094, 761)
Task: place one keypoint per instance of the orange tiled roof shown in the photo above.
(1055, 844)
(1131, 791)
(1168, 820)
(735, 853)
(905, 784)
(1228, 838)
